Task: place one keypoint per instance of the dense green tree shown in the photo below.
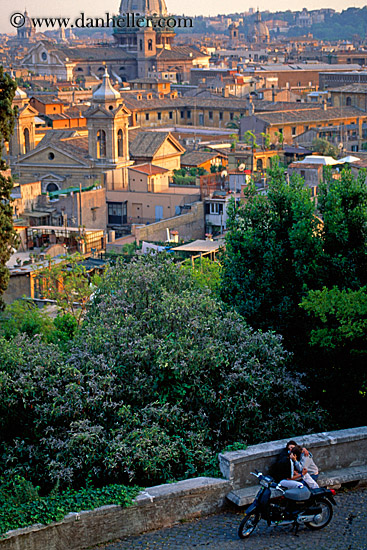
(343, 208)
(324, 147)
(7, 234)
(279, 248)
(273, 254)
(339, 341)
(160, 378)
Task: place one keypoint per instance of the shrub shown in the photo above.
(21, 505)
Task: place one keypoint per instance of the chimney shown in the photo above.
(324, 105)
(225, 92)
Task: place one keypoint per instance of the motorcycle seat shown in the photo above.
(299, 493)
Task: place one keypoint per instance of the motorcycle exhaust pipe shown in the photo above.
(306, 519)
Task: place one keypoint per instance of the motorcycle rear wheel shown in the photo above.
(326, 515)
(248, 525)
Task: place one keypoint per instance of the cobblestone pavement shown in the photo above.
(347, 531)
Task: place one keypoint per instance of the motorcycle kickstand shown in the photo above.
(296, 528)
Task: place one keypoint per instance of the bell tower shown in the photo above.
(108, 126)
(23, 139)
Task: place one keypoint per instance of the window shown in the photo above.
(220, 116)
(294, 131)
(210, 115)
(117, 213)
(52, 187)
(51, 156)
(231, 116)
(141, 45)
(188, 114)
(216, 208)
(146, 116)
(101, 144)
(159, 116)
(170, 115)
(26, 140)
(120, 143)
(349, 101)
(182, 114)
(150, 44)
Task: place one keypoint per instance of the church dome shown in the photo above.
(105, 92)
(143, 7)
(20, 94)
(260, 32)
(27, 20)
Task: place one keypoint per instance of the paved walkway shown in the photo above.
(347, 531)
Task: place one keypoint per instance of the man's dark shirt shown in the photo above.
(282, 466)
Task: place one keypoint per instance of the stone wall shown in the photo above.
(154, 508)
(332, 451)
(164, 505)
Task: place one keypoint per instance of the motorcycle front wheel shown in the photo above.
(248, 525)
(321, 520)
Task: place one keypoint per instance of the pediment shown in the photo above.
(39, 156)
(170, 146)
(27, 111)
(52, 176)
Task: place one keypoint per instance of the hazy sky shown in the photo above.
(94, 8)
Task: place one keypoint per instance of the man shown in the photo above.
(282, 469)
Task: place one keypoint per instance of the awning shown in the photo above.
(200, 246)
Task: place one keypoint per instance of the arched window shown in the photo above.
(26, 140)
(101, 144)
(150, 44)
(349, 100)
(52, 187)
(120, 143)
(259, 165)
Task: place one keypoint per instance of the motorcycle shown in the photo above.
(281, 506)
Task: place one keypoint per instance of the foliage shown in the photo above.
(8, 236)
(273, 251)
(187, 176)
(159, 379)
(250, 139)
(339, 339)
(341, 316)
(21, 505)
(266, 140)
(343, 207)
(23, 316)
(69, 284)
(205, 272)
(324, 147)
(279, 249)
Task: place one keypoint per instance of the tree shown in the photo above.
(8, 236)
(69, 284)
(323, 147)
(339, 339)
(161, 377)
(266, 140)
(343, 208)
(250, 139)
(273, 254)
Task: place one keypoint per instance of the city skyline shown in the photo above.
(68, 8)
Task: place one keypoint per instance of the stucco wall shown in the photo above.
(189, 226)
